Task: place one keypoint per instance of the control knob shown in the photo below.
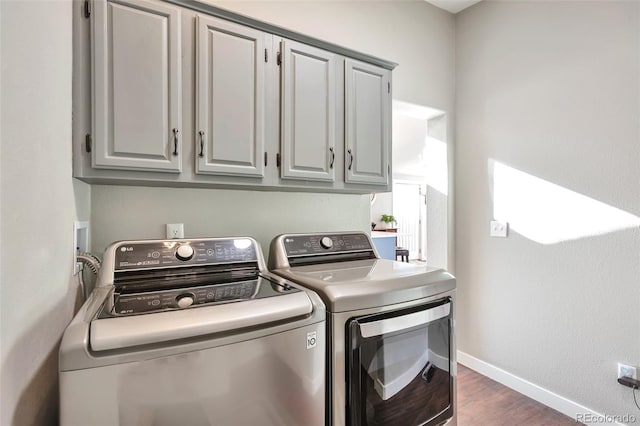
(326, 242)
(185, 300)
(184, 252)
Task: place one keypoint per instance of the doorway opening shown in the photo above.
(421, 182)
(409, 207)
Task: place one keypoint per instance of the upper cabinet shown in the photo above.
(367, 123)
(182, 93)
(230, 98)
(308, 110)
(137, 105)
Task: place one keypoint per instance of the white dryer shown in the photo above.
(193, 332)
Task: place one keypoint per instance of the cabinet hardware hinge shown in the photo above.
(279, 58)
(266, 56)
(87, 143)
(87, 8)
(278, 160)
(265, 159)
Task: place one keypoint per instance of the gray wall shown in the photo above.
(38, 205)
(417, 35)
(208, 212)
(551, 89)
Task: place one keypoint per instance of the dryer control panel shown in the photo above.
(305, 245)
(161, 254)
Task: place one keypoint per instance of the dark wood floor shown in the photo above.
(483, 402)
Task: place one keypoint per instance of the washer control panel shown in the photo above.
(160, 254)
(305, 245)
(183, 298)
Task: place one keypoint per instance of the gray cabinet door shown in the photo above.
(308, 112)
(230, 96)
(367, 123)
(136, 86)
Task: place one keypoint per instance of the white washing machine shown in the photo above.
(391, 350)
(193, 332)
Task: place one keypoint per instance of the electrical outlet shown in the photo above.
(498, 229)
(175, 230)
(625, 370)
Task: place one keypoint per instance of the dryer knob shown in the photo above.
(184, 252)
(326, 242)
(185, 300)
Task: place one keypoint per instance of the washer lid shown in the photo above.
(362, 284)
(161, 327)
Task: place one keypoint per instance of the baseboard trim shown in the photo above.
(533, 391)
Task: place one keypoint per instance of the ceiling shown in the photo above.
(453, 6)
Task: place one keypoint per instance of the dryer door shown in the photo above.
(399, 368)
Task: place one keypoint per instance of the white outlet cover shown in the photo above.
(498, 229)
(175, 230)
(625, 370)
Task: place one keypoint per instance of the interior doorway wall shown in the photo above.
(409, 209)
(420, 158)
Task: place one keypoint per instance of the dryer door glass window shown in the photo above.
(399, 367)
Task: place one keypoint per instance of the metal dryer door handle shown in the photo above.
(403, 322)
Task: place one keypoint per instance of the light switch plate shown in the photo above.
(175, 230)
(498, 229)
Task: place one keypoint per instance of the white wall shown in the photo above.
(37, 294)
(417, 35)
(440, 250)
(551, 89)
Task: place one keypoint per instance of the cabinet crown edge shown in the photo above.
(282, 32)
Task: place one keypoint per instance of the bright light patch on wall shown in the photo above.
(419, 112)
(434, 156)
(548, 213)
(416, 153)
(429, 165)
